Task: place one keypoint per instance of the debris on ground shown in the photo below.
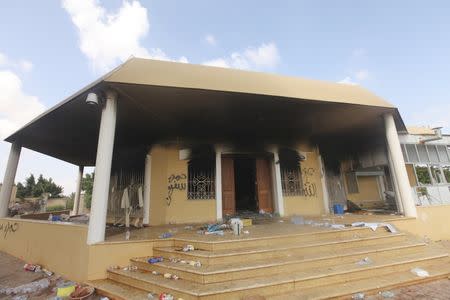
(420, 272)
(155, 259)
(391, 228)
(365, 261)
(237, 225)
(387, 294)
(130, 268)
(298, 220)
(82, 292)
(358, 296)
(166, 235)
(188, 248)
(165, 296)
(64, 289)
(27, 288)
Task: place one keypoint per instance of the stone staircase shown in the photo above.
(316, 265)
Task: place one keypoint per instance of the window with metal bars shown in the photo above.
(291, 176)
(201, 176)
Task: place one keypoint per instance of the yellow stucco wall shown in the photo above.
(309, 204)
(432, 222)
(368, 194)
(166, 163)
(59, 247)
(62, 248)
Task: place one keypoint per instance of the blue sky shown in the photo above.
(48, 49)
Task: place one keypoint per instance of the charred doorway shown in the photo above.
(245, 184)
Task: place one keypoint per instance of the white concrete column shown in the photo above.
(10, 176)
(219, 208)
(278, 190)
(76, 201)
(398, 197)
(100, 192)
(323, 180)
(147, 187)
(399, 167)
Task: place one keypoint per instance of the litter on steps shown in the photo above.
(155, 259)
(188, 248)
(365, 261)
(374, 226)
(420, 272)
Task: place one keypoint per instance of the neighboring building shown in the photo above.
(427, 156)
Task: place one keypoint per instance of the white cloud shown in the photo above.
(21, 65)
(106, 38)
(264, 56)
(16, 106)
(210, 39)
(347, 80)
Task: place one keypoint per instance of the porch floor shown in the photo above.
(261, 228)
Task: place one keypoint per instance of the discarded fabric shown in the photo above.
(165, 296)
(420, 272)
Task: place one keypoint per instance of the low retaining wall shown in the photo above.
(432, 222)
(61, 248)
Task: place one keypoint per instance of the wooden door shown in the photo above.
(228, 188)
(264, 185)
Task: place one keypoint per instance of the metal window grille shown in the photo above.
(291, 181)
(201, 179)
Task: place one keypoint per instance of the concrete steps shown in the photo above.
(291, 262)
(372, 285)
(301, 265)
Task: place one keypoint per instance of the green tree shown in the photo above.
(33, 188)
(87, 183)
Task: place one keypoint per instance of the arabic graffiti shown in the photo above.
(176, 182)
(6, 228)
(309, 188)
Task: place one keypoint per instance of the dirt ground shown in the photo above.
(13, 275)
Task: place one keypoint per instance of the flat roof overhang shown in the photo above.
(236, 106)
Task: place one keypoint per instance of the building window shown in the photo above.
(423, 176)
(201, 175)
(291, 176)
(436, 173)
(446, 170)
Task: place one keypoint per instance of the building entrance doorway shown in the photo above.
(246, 184)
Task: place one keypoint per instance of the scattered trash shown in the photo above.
(127, 235)
(165, 296)
(246, 232)
(47, 272)
(195, 263)
(374, 226)
(262, 211)
(337, 226)
(130, 268)
(65, 289)
(298, 220)
(188, 248)
(82, 292)
(189, 227)
(27, 288)
(218, 232)
(166, 235)
(359, 296)
(21, 297)
(236, 225)
(104, 298)
(155, 273)
(420, 272)
(114, 267)
(280, 221)
(155, 259)
(167, 275)
(387, 294)
(365, 261)
(247, 222)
